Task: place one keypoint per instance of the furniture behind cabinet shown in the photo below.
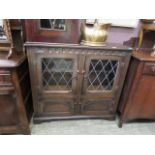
(53, 30)
(15, 95)
(138, 99)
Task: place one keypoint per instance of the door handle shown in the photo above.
(78, 71)
(82, 72)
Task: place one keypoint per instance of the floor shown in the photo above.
(92, 127)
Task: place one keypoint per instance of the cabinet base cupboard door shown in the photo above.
(8, 111)
(138, 99)
(75, 81)
(15, 96)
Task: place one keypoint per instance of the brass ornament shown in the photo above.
(153, 53)
(94, 34)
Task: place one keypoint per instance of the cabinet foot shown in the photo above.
(25, 131)
(120, 123)
(38, 120)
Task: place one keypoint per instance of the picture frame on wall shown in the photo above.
(2, 33)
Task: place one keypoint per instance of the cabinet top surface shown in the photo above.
(143, 56)
(108, 46)
(12, 62)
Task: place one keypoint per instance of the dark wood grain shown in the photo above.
(138, 99)
(108, 46)
(15, 96)
(78, 102)
(71, 35)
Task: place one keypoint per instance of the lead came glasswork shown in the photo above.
(57, 73)
(53, 24)
(102, 74)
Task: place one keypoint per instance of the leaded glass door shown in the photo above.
(101, 75)
(58, 74)
(100, 84)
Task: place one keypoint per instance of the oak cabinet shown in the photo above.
(138, 99)
(74, 81)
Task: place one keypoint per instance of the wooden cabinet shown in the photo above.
(53, 30)
(8, 109)
(74, 81)
(138, 99)
(15, 95)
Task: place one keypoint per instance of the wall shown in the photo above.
(121, 34)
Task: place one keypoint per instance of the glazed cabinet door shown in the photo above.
(57, 74)
(56, 81)
(101, 83)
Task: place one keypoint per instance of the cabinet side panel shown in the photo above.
(128, 84)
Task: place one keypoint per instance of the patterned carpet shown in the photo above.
(92, 127)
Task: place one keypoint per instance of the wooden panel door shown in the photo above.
(101, 83)
(56, 81)
(142, 104)
(8, 109)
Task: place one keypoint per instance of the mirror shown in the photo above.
(53, 24)
(6, 42)
(2, 33)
